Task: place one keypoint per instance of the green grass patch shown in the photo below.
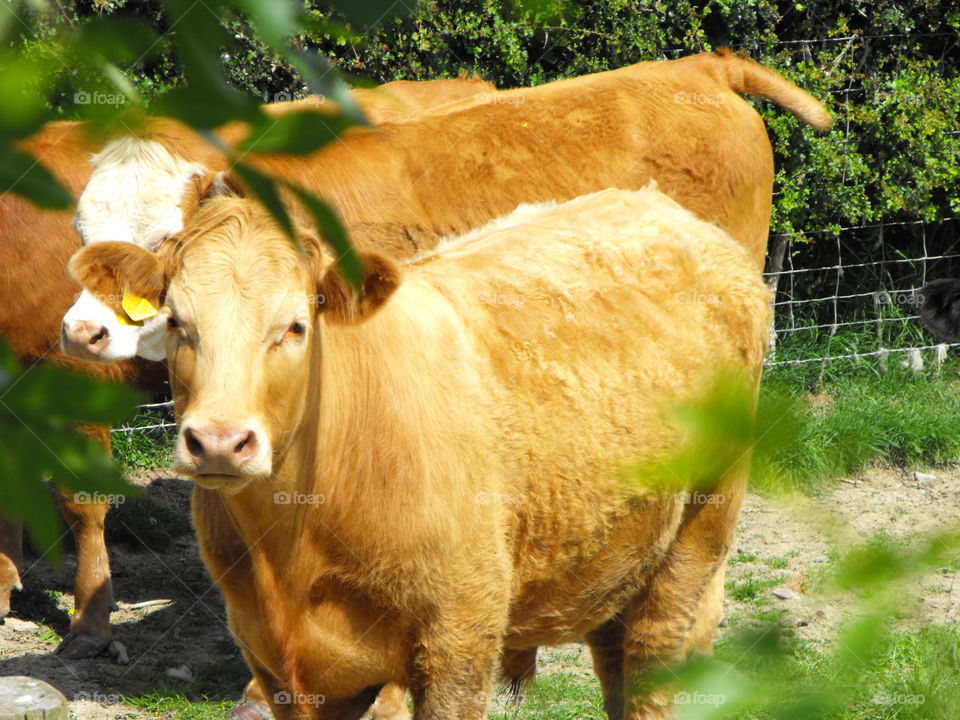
(909, 676)
(145, 449)
(177, 706)
(751, 587)
(558, 696)
(903, 418)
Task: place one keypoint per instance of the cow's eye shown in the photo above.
(172, 323)
(296, 329)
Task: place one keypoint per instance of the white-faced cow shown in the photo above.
(394, 484)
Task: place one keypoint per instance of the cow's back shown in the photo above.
(404, 186)
(605, 317)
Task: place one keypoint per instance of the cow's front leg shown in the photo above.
(453, 676)
(11, 560)
(93, 590)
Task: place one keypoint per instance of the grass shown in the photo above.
(904, 418)
(145, 449)
(752, 587)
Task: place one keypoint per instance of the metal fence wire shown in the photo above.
(862, 306)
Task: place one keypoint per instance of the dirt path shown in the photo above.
(184, 646)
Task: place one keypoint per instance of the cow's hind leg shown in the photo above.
(606, 647)
(682, 603)
(11, 560)
(90, 632)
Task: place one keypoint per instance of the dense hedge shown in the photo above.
(889, 71)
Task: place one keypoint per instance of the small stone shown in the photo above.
(821, 559)
(924, 479)
(181, 672)
(723, 622)
(119, 653)
(24, 626)
(784, 593)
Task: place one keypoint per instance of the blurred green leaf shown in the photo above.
(23, 174)
(264, 188)
(365, 13)
(331, 230)
(296, 134)
(275, 20)
(39, 439)
(23, 84)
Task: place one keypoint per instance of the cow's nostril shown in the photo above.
(243, 443)
(101, 335)
(194, 447)
(247, 447)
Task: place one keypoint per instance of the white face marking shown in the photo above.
(126, 341)
(123, 338)
(134, 196)
(134, 193)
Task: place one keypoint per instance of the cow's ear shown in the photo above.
(938, 304)
(223, 184)
(342, 303)
(110, 270)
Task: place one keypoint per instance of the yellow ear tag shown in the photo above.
(137, 308)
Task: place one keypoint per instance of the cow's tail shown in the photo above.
(748, 77)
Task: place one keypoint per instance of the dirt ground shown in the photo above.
(183, 643)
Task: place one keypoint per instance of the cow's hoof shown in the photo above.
(250, 710)
(77, 647)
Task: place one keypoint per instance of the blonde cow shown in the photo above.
(478, 402)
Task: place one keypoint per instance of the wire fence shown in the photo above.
(861, 306)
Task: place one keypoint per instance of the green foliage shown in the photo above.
(40, 409)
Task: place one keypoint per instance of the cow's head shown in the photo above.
(243, 308)
(141, 191)
(938, 304)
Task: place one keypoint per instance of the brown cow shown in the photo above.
(400, 187)
(481, 410)
(36, 291)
